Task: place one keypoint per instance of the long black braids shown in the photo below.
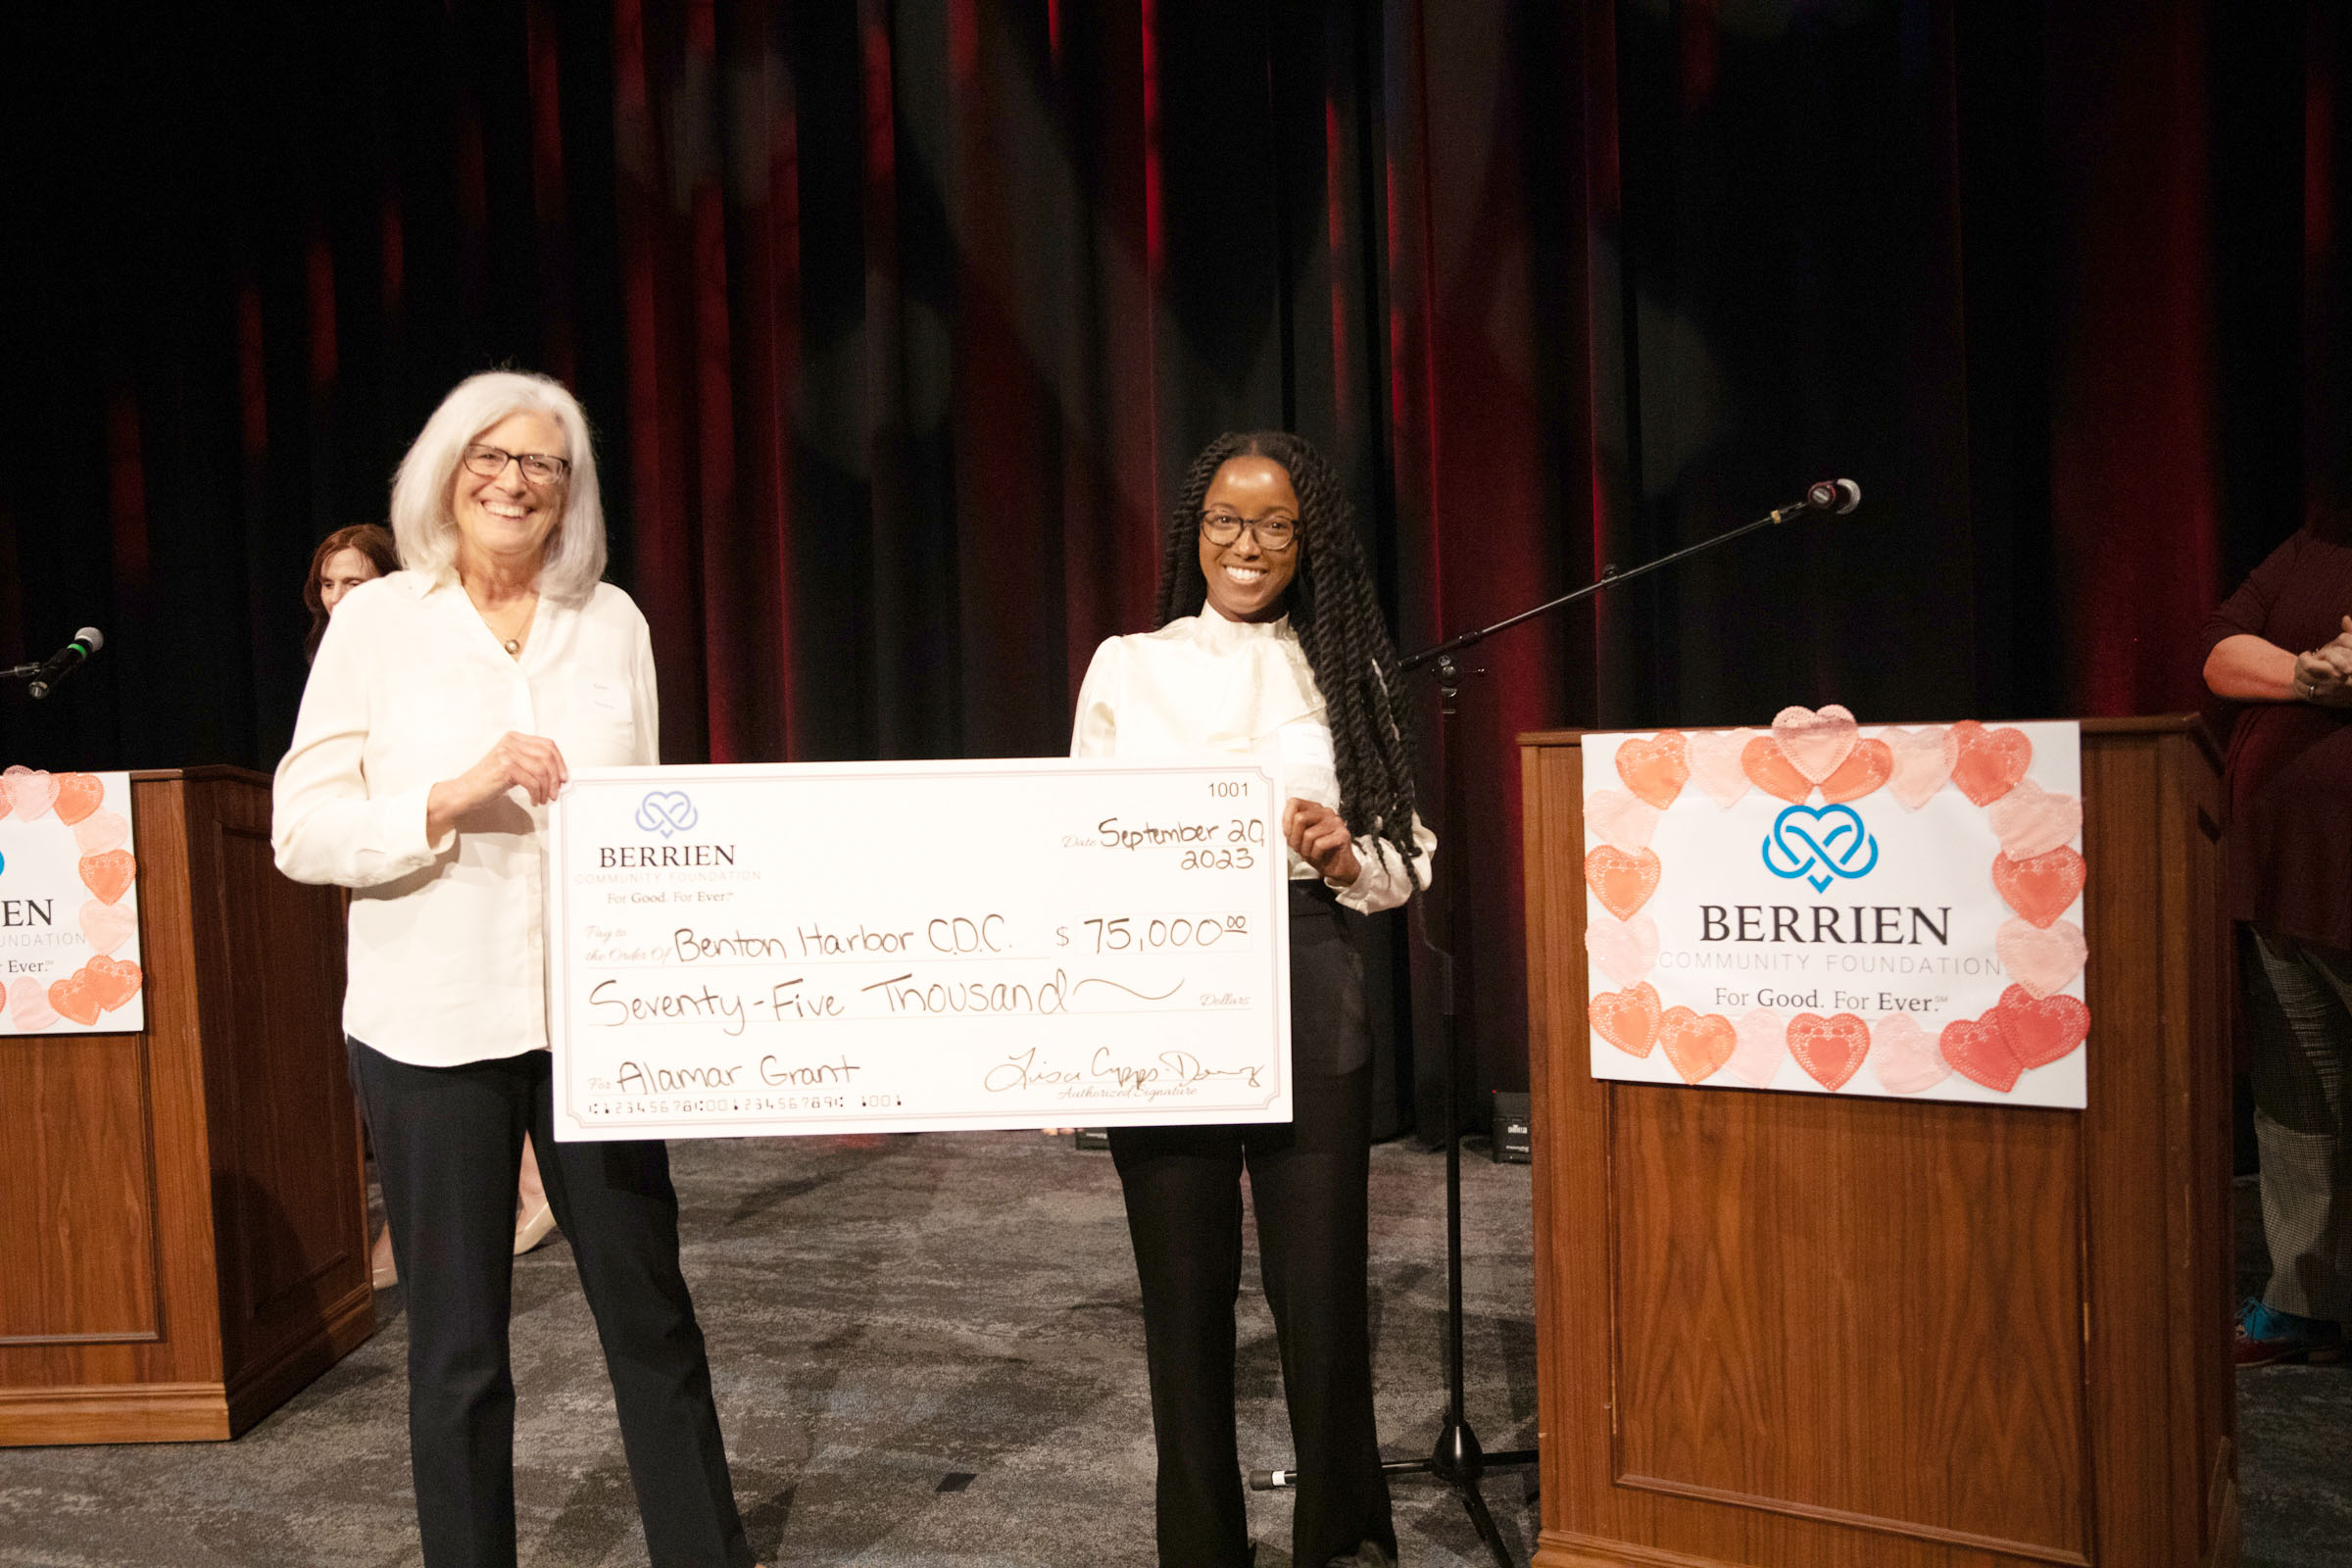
(1337, 619)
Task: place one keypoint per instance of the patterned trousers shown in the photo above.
(2299, 998)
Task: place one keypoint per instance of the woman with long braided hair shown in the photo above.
(1271, 644)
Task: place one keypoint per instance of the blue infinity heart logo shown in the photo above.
(1819, 844)
(667, 811)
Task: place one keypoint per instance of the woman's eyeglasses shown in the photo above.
(537, 467)
(1274, 534)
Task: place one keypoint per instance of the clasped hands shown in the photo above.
(2325, 675)
(531, 761)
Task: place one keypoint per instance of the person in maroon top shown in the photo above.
(2281, 646)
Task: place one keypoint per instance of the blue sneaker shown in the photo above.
(2265, 1335)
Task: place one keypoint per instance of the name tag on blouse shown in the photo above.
(825, 948)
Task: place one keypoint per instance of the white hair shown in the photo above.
(422, 524)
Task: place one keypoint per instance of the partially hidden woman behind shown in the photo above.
(2282, 645)
(1270, 645)
(344, 560)
(447, 705)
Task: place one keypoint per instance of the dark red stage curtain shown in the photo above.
(898, 322)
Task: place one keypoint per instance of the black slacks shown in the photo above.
(1184, 1212)
(449, 1145)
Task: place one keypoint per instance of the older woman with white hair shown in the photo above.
(447, 705)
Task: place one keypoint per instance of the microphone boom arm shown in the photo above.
(1609, 577)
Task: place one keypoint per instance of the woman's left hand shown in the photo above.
(1321, 839)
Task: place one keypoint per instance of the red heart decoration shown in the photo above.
(2043, 888)
(1770, 772)
(1980, 1052)
(1698, 1045)
(1868, 766)
(1628, 1019)
(3, 995)
(1986, 763)
(111, 874)
(1830, 1050)
(78, 796)
(75, 997)
(115, 981)
(1621, 882)
(1657, 769)
(2043, 1030)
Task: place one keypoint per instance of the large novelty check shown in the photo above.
(826, 948)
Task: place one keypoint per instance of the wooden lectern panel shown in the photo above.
(183, 1212)
(1797, 1331)
(1928, 1383)
(77, 1212)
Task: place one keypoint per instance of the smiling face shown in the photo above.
(1247, 582)
(506, 518)
(340, 573)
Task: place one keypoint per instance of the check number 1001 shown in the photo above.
(1128, 933)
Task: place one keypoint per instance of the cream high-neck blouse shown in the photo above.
(1204, 683)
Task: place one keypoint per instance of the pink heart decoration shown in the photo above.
(1621, 882)
(1986, 763)
(1657, 769)
(1763, 1046)
(2041, 1031)
(1773, 773)
(101, 831)
(1626, 950)
(29, 1008)
(1867, 766)
(113, 981)
(1923, 761)
(1697, 1045)
(1815, 743)
(31, 793)
(1715, 764)
(78, 796)
(1628, 1019)
(2041, 961)
(107, 927)
(2030, 820)
(2042, 888)
(1904, 1055)
(1979, 1052)
(1830, 1050)
(1619, 819)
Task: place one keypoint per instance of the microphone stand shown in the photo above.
(1457, 1461)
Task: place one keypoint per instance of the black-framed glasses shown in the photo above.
(537, 467)
(1273, 534)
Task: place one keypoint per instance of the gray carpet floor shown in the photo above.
(944, 1366)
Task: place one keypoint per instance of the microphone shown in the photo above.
(65, 661)
(1838, 496)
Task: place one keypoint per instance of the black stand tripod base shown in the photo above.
(1456, 1462)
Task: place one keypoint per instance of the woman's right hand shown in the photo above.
(531, 761)
(2325, 675)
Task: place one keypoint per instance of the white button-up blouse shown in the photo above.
(1202, 683)
(448, 943)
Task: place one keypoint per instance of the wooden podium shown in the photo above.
(183, 1232)
(1791, 1331)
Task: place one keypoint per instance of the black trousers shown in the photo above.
(449, 1145)
(1184, 1212)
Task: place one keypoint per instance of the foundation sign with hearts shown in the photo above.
(68, 905)
(1826, 909)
